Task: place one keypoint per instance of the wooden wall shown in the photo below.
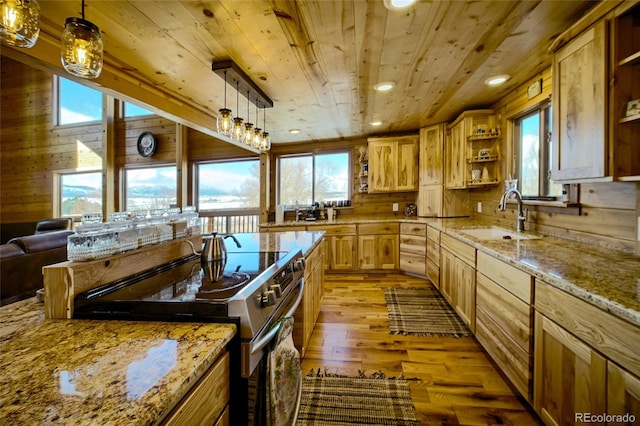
(608, 210)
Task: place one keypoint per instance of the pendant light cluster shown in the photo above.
(233, 127)
(19, 23)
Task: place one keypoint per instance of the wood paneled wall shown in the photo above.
(608, 212)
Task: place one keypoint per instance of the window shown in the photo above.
(150, 188)
(133, 110)
(229, 185)
(80, 193)
(313, 178)
(77, 103)
(533, 153)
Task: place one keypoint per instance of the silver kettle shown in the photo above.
(214, 248)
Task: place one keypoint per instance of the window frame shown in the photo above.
(57, 190)
(196, 187)
(57, 108)
(544, 109)
(123, 180)
(313, 155)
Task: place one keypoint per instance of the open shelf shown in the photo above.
(483, 136)
(630, 118)
(482, 160)
(631, 59)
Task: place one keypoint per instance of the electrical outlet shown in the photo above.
(479, 206)
(395, 207)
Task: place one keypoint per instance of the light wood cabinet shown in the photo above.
(570, 377)
(413, 248)
(595, 75)
(393, 165)
(458, 277)
(378, 246)
(207, 402)
(433, 256)
(307, 314)
(503, 318)
(623, 392)
(466, 136)
(340, 251)
(432, 155)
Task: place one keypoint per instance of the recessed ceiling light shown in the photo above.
(294, 131)
(497, 80)
(385, 86)
(398, 4)
(376, 123)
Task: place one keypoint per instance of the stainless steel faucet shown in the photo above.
(502, 206)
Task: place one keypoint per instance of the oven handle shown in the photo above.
(260, 344)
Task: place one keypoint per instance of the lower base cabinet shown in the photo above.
(458, 278)
(413, 249)
(207, 402)
(307, 313)
(378, 246)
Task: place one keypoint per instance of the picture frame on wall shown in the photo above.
(633, 107)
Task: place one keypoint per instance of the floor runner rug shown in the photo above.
(422, 311)
(341, 401)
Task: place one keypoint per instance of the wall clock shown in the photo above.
(147, 144)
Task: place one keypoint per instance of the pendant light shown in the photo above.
(81, 52)
(237, 133)
(225, 120)
(265, 143)
(19, 22)
(257, 135)
(248, 127)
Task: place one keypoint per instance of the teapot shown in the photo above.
(214, 248)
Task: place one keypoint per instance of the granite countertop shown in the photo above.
(608, 279)
(85, 372)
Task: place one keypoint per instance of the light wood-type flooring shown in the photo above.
(458, 383)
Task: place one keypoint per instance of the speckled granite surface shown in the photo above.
(81, 372)
(608, 279)
(86, 372)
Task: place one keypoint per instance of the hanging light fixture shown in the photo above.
(247, 138)
(265, 143)
(225, 120)
(19, 22)
(81, 52)
(257, 134)
(237, 133)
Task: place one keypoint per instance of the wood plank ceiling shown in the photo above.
(317, 60)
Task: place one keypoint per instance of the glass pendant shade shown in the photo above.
(237, 133)
(19, 22)
(225, 122)
(81, 50)
(265, 143)
(248, 134)
(257, 138)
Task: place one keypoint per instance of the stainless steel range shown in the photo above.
(253, 289)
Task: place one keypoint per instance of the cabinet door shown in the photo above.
(569, 377)
(382, 166)
(465, 300)
(429, 200)
(431, 155)
(386, 252)
(623, 392)
(367, 251)
(407, 166)
(343, 251)
(447, 275)
(579, 148)
(455, 157)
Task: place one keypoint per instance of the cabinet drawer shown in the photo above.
(413, 229)
(509, 356)
(413, 244)
(433, 272)
(462, 251)
(378, 228)
(336, 229)
(511, 278)
(612, 336)
(433, 235)
(507, 311)
(206, 400)
(414, 263)
(433, 251)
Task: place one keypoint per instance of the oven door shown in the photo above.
(270, 401)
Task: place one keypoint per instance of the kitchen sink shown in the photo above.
(497, 233)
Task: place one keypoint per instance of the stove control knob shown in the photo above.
(298, 264)
(277, 289)
(268, 298)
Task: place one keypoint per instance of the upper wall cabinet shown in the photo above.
(596, 83)
(471, 150)
(393, 164)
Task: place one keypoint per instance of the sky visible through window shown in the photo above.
(229, 185)
(133, 110)
(151, 188)
(78, 103)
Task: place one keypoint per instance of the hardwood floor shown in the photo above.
(458, 383)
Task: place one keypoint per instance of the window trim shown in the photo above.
(57, 188)
(313, 155)
(196, 187)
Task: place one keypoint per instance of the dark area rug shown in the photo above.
(422, 311)
(366, 400)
